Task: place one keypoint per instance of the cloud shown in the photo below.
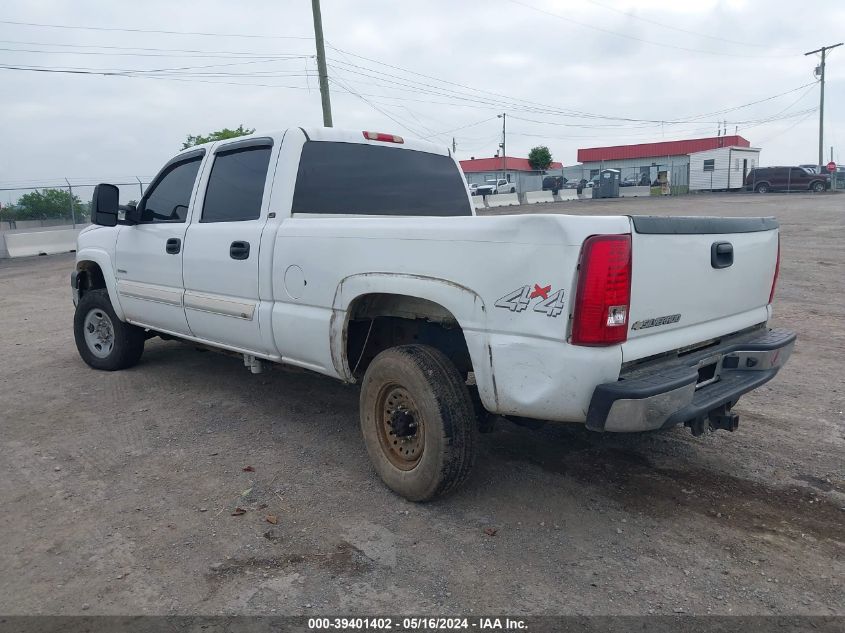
(498, 56)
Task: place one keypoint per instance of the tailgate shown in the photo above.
(695, 279)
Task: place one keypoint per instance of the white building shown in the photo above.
(721, 169)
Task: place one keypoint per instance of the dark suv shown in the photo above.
(765, 179)
(553, 183)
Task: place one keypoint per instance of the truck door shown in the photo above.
(220, 264)
(148, 256)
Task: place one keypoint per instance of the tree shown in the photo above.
(219, 135)
(540, 157)
(49, 203)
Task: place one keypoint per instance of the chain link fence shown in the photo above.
(33, 206)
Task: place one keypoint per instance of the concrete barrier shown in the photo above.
(633, 192)
(567, 194)
(478, 202)
(41, 242)
(538, 196)
(503, 200)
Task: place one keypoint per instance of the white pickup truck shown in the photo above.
(330, 250)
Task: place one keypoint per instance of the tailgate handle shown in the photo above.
(721, 254)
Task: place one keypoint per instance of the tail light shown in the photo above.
(604, 291)
(777, 272)
(381, 136)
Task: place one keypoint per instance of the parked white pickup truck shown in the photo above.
(330, 250)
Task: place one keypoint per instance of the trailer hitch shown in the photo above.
(719, 418)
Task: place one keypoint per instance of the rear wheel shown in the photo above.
(418, 421)
(104, 341)
(763, 187)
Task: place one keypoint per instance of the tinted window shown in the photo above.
(168, 199)
(236, 185)
(352, 178)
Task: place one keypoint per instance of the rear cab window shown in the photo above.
(358, 179)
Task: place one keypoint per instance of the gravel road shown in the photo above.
(118, 490)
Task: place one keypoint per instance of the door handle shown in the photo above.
(174, 245)
(239, 250)
(721, 254)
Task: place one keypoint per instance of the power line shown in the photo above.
(125, 54)
(146, 48)
(638, 39)
(162, 32)
(672, 27)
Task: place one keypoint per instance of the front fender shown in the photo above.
(103, 260)
(463, 303)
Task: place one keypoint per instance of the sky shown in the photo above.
(568, 74)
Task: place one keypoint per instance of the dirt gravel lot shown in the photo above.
(117, 490)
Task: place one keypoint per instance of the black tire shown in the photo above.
(127, 340)
(817, 186)
(513, 189)
(429, 449)
(763, 187)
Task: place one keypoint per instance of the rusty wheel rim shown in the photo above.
(401, 430)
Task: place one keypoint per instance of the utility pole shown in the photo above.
(72, 212)
(503, 117)
(823, 50)
(321, 64)
(455, 147)
(140, 186)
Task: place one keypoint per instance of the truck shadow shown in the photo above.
(656, 474)
(633, 470)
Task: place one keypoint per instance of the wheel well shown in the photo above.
(379, 321)
(91, 277)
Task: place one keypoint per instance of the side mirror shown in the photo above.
(104, 205)
(133, 214)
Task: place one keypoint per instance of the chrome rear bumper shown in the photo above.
(689, 388)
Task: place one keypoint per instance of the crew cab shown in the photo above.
(373, 276)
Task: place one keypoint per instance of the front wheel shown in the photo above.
(817, 186)
(104, 341)
(418, 421)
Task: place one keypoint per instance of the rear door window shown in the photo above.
(236, 185)
(359, 179)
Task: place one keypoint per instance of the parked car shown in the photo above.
(553, 183)
(473, 189)
(498, 186)
(622, 323)
(765, 179)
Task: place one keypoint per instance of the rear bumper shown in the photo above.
(691, 387)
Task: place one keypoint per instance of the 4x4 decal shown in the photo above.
(518, 300)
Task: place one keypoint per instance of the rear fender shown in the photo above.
(463, 303)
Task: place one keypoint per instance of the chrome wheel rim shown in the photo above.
(99, 333)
